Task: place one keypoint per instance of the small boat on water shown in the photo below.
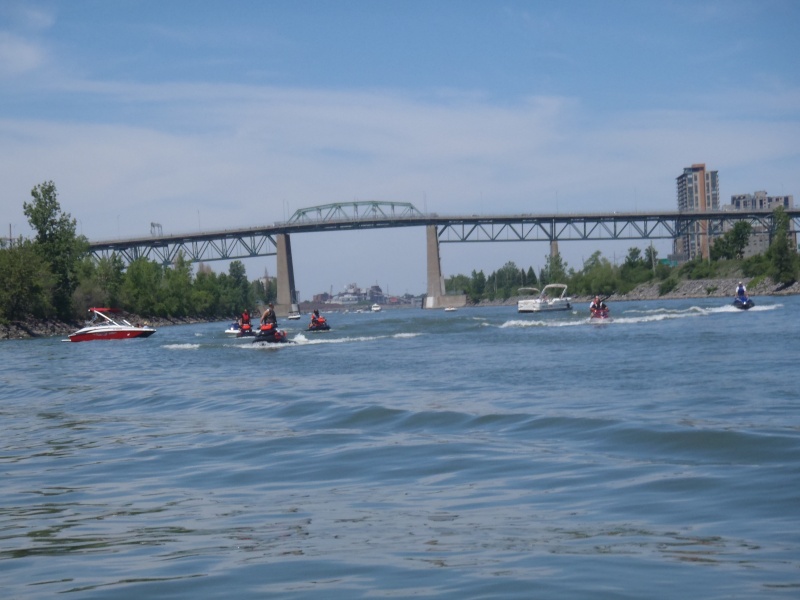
(450, 309)
(376, 308)
(103, 327)
(599, 315)
(743, 303)
(233, 329)
(294, 313)
(552, 297)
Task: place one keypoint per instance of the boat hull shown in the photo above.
(270, 336)
(108, 334)
(322, 327)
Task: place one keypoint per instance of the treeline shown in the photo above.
(599, 276)
(53, 276)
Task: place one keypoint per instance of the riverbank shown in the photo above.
(689, 288)
(35, 328)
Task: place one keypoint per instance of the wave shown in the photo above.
(181, 346)
(641, 316)
(301, 340)
(523, 323)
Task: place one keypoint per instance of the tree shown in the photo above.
(141, 293)
(731, 245)
(26, 282)
(477, 285)
(782, 256)
(178, 287)
(57, 242)
(554, 270)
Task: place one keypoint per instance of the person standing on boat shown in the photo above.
(741, 292)
(269, 315)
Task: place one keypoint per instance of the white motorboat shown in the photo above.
(376, 308)
(103, 327)
(450, 309)
(553, 297)
(294, 313)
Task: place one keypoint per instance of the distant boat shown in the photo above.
(103, 327)
(376, 308)
(294, 313)
(553, 297)
(450, 309)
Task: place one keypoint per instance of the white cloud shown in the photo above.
(18, 55)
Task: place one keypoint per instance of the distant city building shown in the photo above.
(759, 238)
(698, 191)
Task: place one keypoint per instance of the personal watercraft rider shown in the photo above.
(741, 292)
(315, 318)
(244, 319)
(597, 304)
(269, 315)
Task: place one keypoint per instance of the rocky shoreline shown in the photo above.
(695, 288)
(36, 328)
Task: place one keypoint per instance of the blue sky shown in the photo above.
(207, 115)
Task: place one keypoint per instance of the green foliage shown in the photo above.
(783, 261)
(55, 239)
(27, 282)
(731, 245)
(554, 270)
(666, 286)
(698, 268)
(598, 276)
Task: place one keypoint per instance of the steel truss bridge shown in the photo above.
(261, 241)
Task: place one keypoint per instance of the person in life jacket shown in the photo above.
(597, 304)
(244, 319)
(741, 292)
(316, 319)
(268, 315)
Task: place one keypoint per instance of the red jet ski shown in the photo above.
(318, 324)
(270, 334)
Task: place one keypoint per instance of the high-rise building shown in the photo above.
(759, 237)
(698, 191)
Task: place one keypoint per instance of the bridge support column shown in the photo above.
(553, 248)
(287, 296)
(436, 294)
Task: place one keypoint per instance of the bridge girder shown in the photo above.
(253, 242)
(354, 211)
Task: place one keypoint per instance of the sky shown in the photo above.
(210, 115)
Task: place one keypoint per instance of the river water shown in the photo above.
(428, 454)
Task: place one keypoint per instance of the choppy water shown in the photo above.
(472, 454)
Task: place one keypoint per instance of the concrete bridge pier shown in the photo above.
(287, 296)
(436, 297)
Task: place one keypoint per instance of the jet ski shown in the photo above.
(743, 303)
(319, 324)
(270, 334)
(600, 314)
(246, 330)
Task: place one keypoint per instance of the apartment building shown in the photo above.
(698, 191)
